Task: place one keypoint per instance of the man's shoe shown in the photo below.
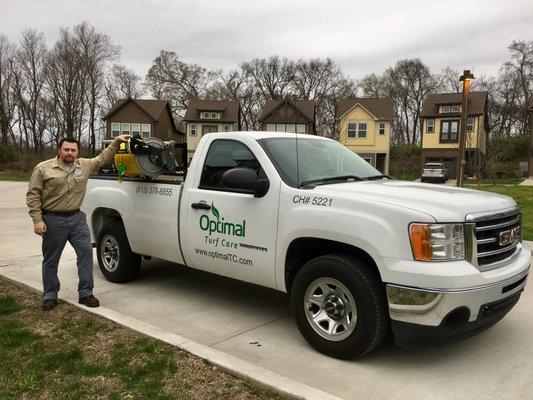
(49, 304)
(90, 301)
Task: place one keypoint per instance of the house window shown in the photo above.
(214, 115)
(449, 131)
(382, 128)
(300, 128)
(446, 109)
(290, 128)
(280, 127)
(125, 128)
(362, 130)
(115, 129)
(470, 124)
(352, 129)
(368, 160)
(226, 128)
(136, 129)
(192, 129)
(455, 109)
(146, 130)
(271, 127)
(430, 126)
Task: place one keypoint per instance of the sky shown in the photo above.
(362, 36)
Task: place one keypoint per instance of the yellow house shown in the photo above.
(365, 128)
(205, 116)
(440, 123)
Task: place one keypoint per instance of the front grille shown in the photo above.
(497, 237)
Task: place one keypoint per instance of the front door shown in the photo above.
(230, 233)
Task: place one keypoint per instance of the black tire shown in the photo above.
(126, 264)
(366, 289)
(422, 180)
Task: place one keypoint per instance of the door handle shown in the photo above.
(201, 206)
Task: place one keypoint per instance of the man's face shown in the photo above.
(68, 152)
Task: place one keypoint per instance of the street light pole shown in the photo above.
(465, 79)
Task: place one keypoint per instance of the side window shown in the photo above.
(222, 156)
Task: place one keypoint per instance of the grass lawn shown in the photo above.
(68, 353)
(523, 195)
(10, 176)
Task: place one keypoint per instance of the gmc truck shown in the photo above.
(359, 253)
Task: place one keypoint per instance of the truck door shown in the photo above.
(229, 233)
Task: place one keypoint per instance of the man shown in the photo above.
(55, 193)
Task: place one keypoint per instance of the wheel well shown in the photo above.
(302, 250)
(100, 215)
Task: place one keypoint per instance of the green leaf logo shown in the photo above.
(215, 211)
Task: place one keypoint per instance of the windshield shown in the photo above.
(434, 166)
(318, 160)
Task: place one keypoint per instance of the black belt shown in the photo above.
(61, 213)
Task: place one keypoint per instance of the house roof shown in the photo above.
(306, 108)
(153, 108)
(229, 109)
(477, 102)
(381, 108)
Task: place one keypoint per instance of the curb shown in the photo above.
(230, 364)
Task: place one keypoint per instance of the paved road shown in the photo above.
(254, 324)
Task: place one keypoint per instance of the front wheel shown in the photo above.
(117, 261)
(339, 306)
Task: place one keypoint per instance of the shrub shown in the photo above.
(6, 154)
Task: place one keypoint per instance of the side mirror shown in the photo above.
(245, 180)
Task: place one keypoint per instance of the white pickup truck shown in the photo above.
(358, 252)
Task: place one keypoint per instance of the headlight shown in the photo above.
(437, 242)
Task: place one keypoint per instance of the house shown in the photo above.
(145, 117)
(530, 156)
(148, 118)
(289, 116)
(205, 116)
(441, 124)
(365, 128)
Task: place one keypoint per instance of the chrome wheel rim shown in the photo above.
(330, 309)
(110, 253)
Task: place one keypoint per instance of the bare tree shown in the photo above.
(273, 76)
(96, 51)
(7, 97)
(29, 87)
(67, 84)
(171, 79)
(122, 83)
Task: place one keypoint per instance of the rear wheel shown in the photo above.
(115, 258)
(339, 306)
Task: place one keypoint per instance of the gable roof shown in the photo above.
(381, 108)
(477, 102)
(154, 108)
(229, 109)
(151, 107)
(306, 108)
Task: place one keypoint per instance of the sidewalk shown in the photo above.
(249, 331)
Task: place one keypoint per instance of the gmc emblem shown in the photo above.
(508, 237)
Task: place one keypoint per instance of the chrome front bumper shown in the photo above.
(432, 307)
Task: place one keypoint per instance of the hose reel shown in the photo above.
(149, 157)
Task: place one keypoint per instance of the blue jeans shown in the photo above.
(60, 229)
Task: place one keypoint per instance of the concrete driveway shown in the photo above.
(254, 324)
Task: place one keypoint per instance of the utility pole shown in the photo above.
(466, 78)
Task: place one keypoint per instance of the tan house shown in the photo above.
(289, 116)
(440, 126)
(365, 128)
(205, 116)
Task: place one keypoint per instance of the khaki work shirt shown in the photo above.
(51, 188)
